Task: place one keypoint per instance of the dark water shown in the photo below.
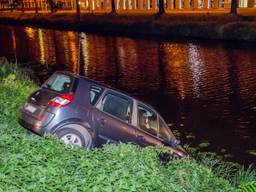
(204, 89)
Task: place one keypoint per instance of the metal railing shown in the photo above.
(143, 6)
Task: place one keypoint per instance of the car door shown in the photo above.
(147, 126)
(112, 117)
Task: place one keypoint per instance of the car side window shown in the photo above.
(163, 132)
(95, 93)
(117, 106)
(147, 120)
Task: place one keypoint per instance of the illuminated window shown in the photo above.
(191, 3)
(200, 4)
(211, 4)
(144, 4)
(130, 4)
(181, 4)
(243, 3)
(118, 4)
(222, 3)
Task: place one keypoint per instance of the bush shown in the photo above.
(31, 163)
(14, 89)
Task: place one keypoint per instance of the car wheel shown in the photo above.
(75, 135)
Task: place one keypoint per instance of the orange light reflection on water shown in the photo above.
(176, 58)
(73, 50)
(41, 46)
(30, 32)
(14, 41)
(85, 53)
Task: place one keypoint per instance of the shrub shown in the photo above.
(14, 89)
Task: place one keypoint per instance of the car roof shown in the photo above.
(106, 86)
(93, 81)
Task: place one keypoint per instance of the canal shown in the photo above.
(206, 90)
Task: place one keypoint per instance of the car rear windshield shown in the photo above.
(59, 82)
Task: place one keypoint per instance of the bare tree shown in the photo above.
(161, 7)
(78, 9)
(51, 4)
(22, 6)
(36, 7)
(233, 9)
(54, 5)
(113, 6)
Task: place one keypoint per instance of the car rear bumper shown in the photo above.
(34, 124)
(31, 127)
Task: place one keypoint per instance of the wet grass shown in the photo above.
(32, 163)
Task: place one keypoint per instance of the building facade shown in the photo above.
(131, 6)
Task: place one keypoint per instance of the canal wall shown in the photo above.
(205, 26)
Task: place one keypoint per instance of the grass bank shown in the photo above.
(31, 163)
(227, 27)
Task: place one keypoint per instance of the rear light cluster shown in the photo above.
(62, 100)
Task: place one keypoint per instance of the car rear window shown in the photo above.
(59, 82)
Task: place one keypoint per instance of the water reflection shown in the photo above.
(177, 70)
(196, 67)
(85, 53)
(30, 32)
(203, 88)
(14, 44)
(41, 45)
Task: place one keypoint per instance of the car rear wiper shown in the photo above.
(48, 86)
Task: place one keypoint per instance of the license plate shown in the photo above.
(30, 108)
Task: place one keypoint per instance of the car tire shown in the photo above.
(75, 135)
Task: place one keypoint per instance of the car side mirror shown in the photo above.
(175, 142)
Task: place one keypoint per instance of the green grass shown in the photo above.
(32, 163)
(14, 89)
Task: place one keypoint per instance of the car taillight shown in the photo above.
(62, 100)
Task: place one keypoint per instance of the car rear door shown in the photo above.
(147, 126)
(112, 118)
